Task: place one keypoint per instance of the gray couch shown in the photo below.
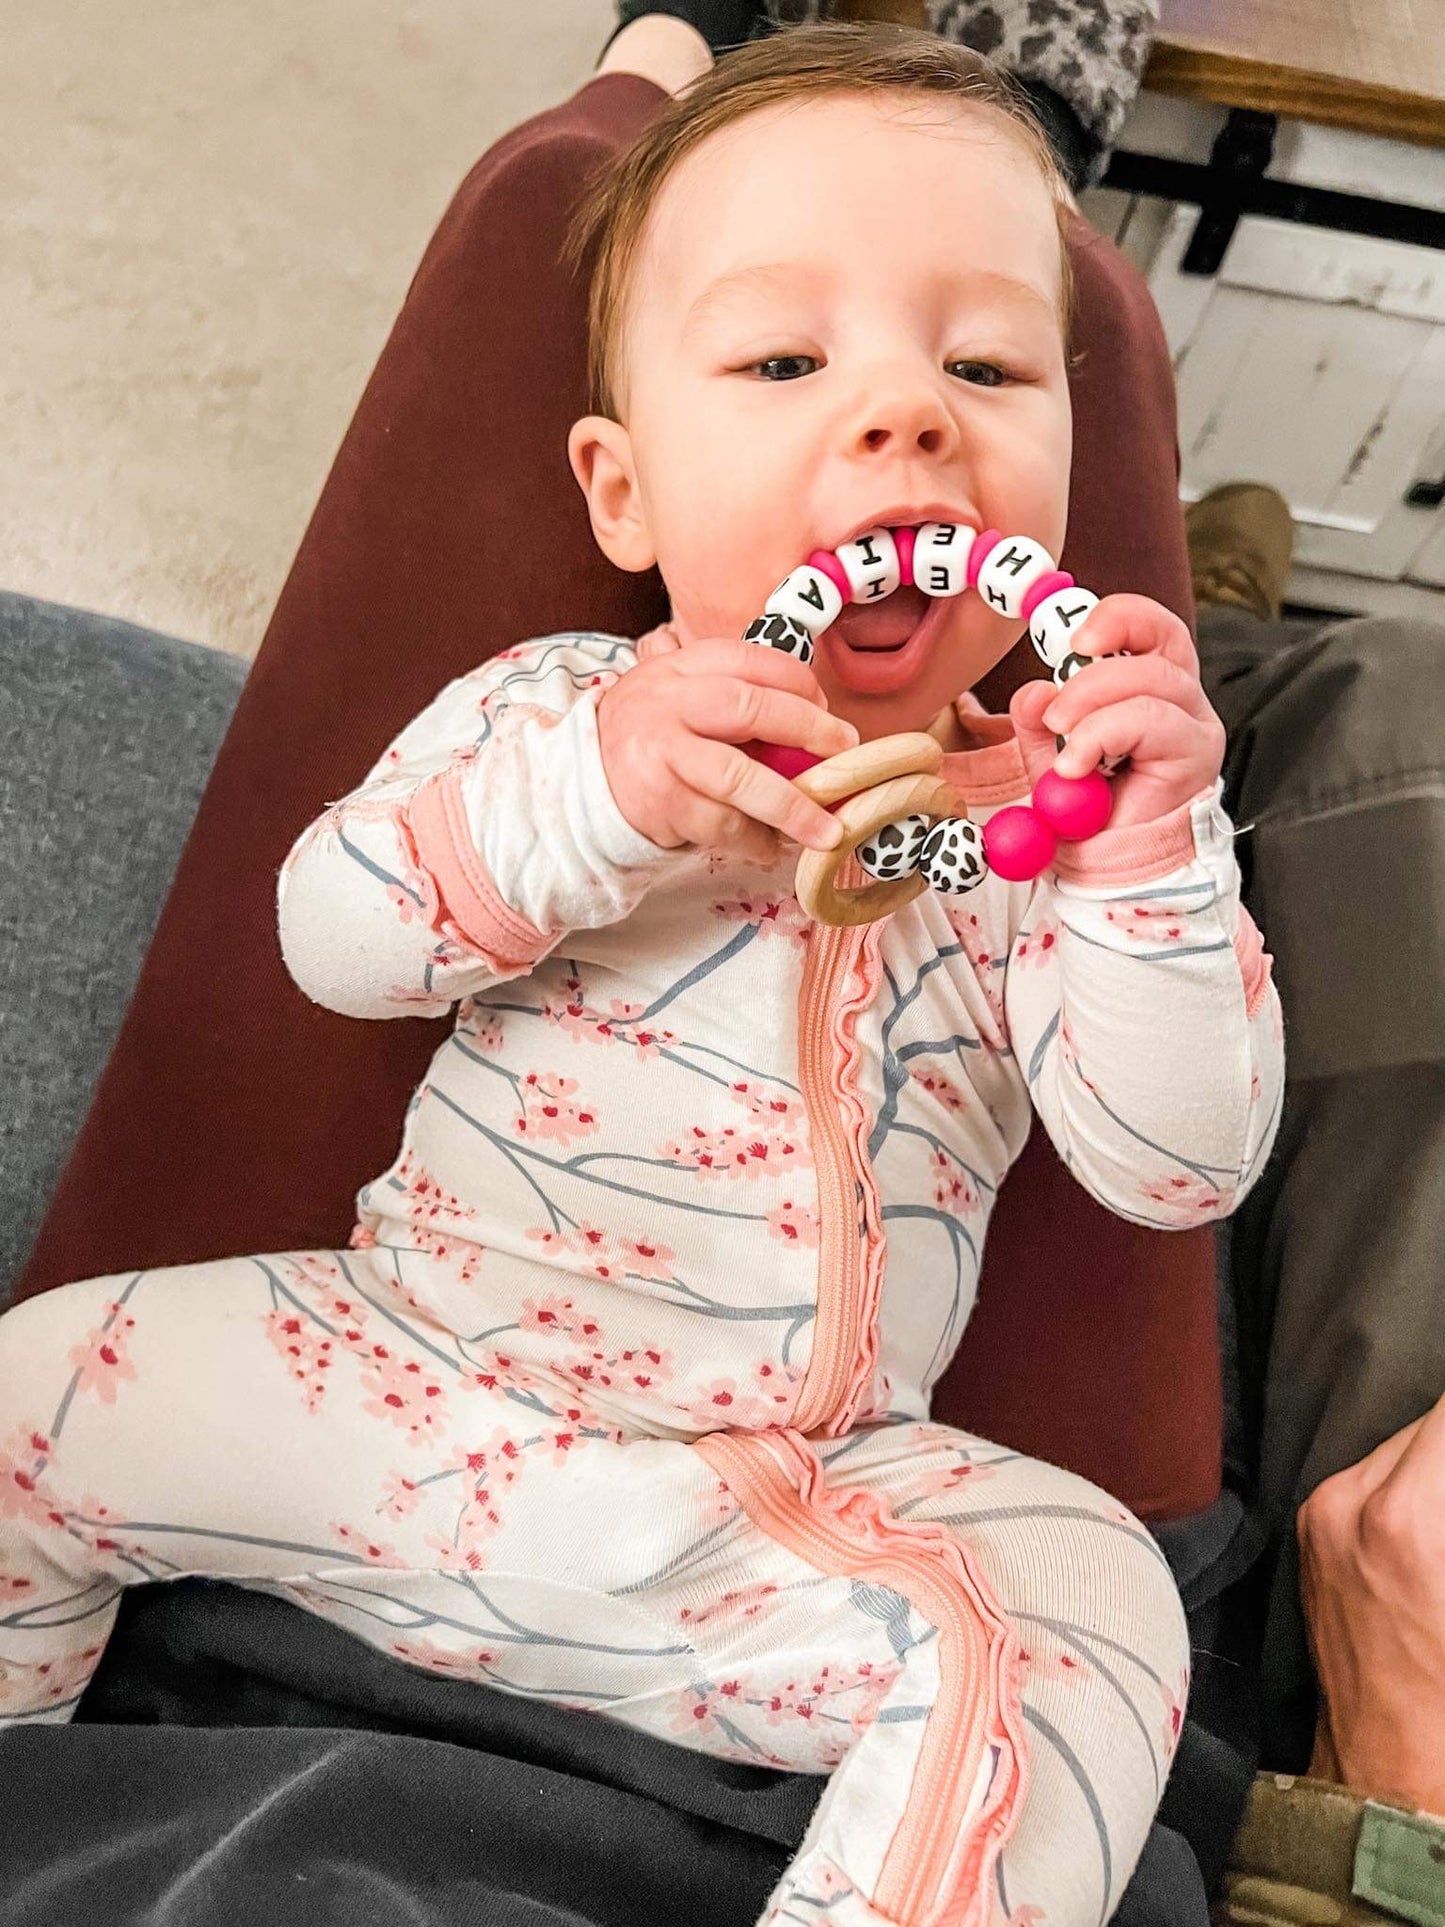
(107, 736)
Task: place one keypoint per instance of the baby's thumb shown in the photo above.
(1039, 746)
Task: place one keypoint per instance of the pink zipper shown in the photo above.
(938, 1868)
(839, 981)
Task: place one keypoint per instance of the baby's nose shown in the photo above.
(901, 421)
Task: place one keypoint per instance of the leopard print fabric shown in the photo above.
(1090, 52)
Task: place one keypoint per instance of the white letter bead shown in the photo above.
(870, 562)
(1056, 620)
(809, 597)
(1012, 567)
(940, 558)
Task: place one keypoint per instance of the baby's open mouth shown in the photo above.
(885, 626)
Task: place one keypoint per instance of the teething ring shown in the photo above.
(914, 753)
(906, 852)
(862, 814)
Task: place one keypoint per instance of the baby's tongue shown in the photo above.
(886, 624)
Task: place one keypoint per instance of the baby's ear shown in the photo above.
(600, 451)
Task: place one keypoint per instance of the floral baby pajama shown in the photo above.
(619, 1395)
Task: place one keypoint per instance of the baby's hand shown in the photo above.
(669, 730)
(1141, 698)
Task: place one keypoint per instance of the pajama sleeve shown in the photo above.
(484, 834)
(1144, 1019)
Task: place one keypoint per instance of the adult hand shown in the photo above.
(1140, 698)
(1372, 1574)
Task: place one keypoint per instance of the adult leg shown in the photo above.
(450, 527)
(1337, 758)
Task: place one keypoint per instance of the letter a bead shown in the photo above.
(1056, 620)
(1013, 566)
(940, 558)
(806, 596)
(870, 562)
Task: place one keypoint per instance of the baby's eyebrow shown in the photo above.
(738, 280)
(766, 274)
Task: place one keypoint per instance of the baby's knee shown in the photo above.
(1079, 1559)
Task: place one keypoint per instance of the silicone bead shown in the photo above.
(1073, 806)
(984, 543)
(1018, 843)
(940, 557)
(870, 562)
(828, 564)
(781, 633)
(894, 850)
(903, 540)
(806, 596)
(1010, 570)
(1055, 618)
(786, 758)
(1045, 585)
(952, 858)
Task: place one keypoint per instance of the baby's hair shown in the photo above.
(802, 63)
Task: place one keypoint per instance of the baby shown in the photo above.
(620, 1396)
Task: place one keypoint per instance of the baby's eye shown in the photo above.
(790, 367)
(983, 374)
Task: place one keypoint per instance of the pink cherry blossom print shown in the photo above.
(1036, 948)
(1182, 1191)
(102, 1358)
(550, 1114)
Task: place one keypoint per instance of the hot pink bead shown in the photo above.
(903, 540)
(983, 543)
(1018, 844)
(1074, 806)
(786, 758)
(828, 564)
(1046, 585)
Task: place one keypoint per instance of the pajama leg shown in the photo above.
(288, 1422)
(986, 1653)
(1015, 1783)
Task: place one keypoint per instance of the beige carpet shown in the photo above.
(209, 213)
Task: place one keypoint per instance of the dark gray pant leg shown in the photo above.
(1337, 757)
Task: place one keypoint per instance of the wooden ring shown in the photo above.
(861, 815)
(915, 753)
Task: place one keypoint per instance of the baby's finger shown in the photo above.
(1114, 679)
(1135, 625)
(715, 826)
(1162, 731)
(750, 662)
(728, 776)
(731, 711)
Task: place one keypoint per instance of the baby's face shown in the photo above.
(846, 312)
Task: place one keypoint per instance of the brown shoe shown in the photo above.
(1240, 541)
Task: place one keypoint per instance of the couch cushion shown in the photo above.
(109, 732)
